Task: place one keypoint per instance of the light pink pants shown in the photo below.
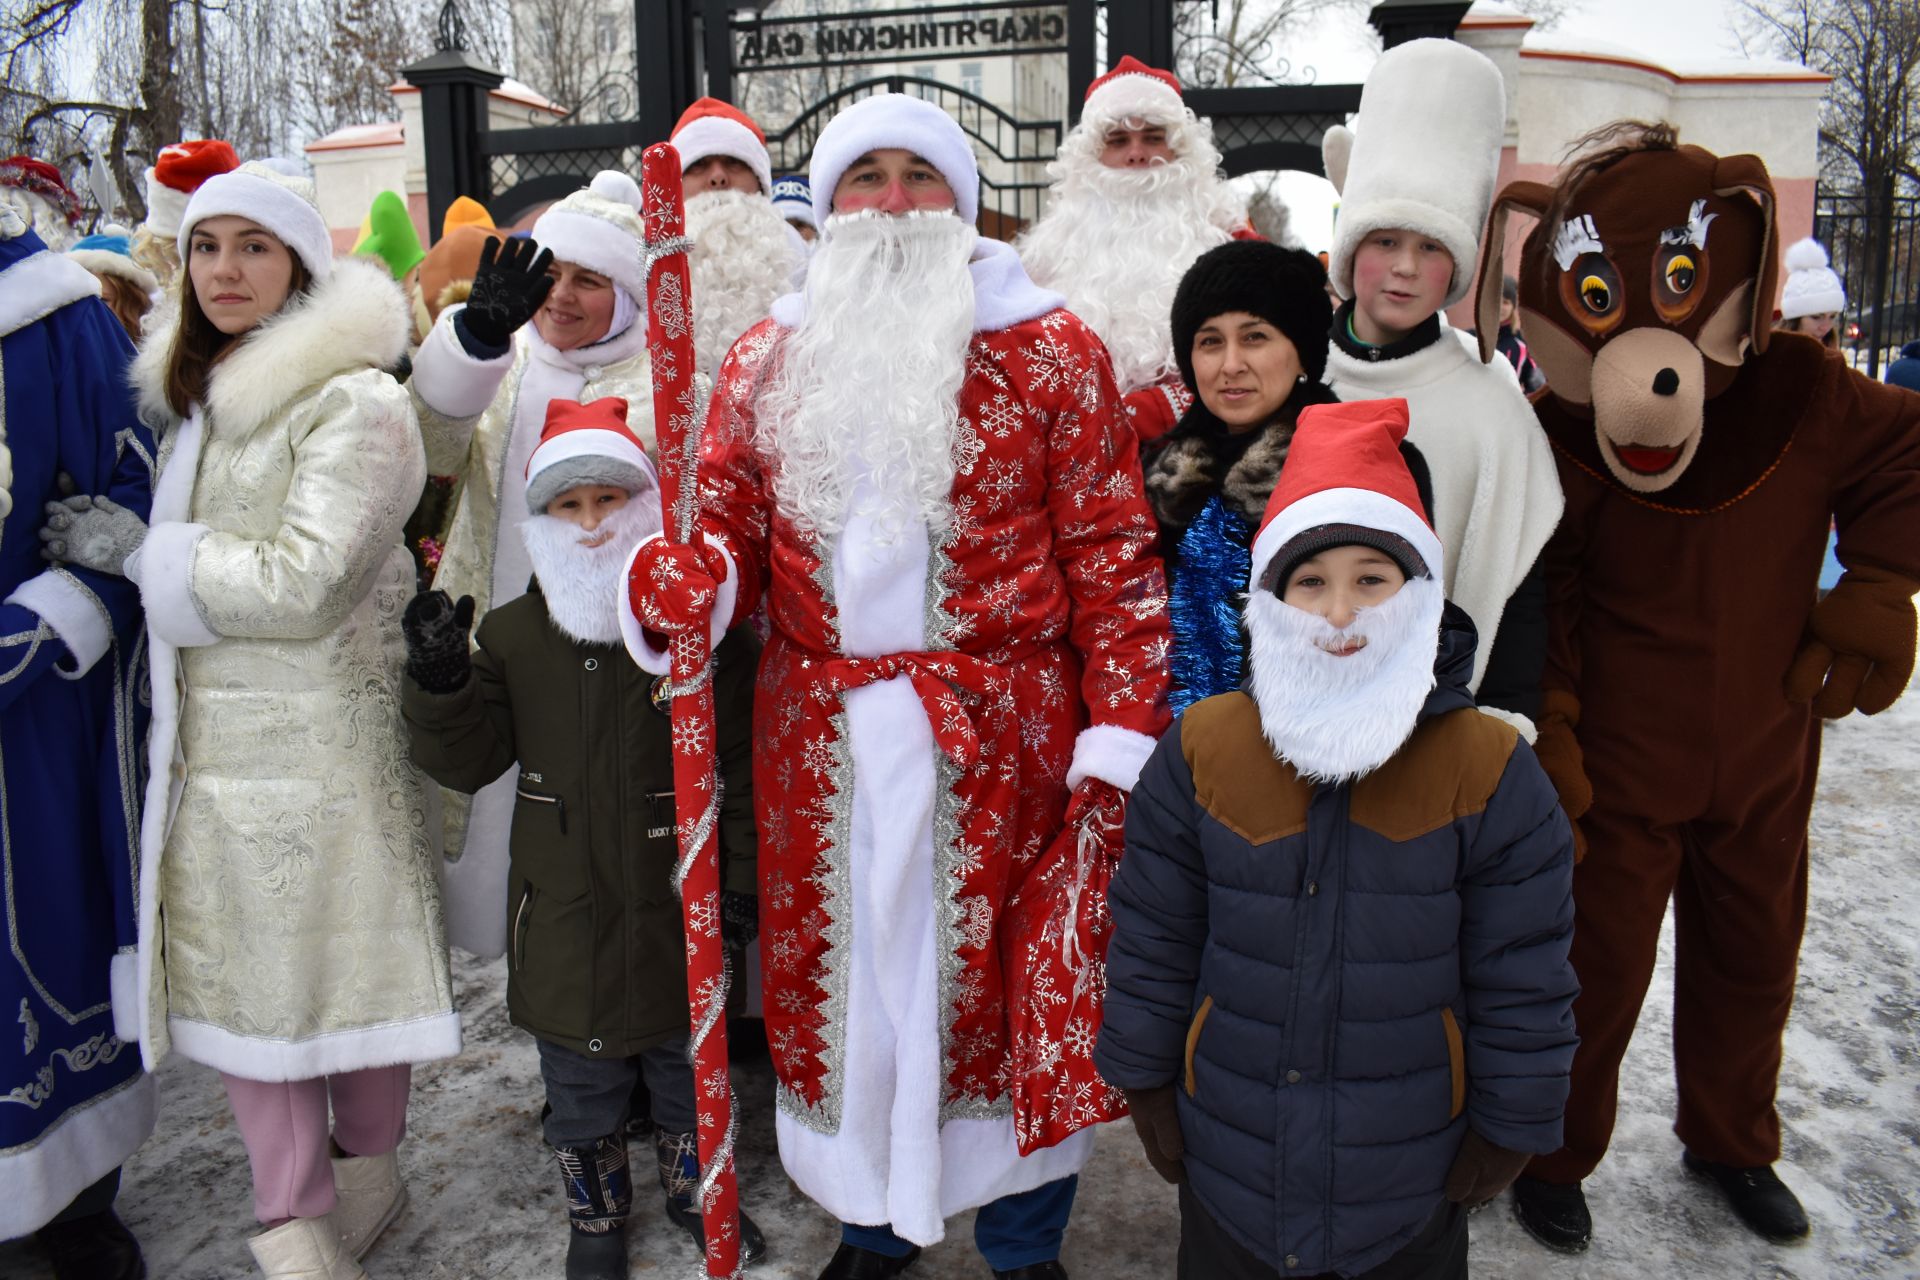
(284, 1125)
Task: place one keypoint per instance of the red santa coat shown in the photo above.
(921, 714)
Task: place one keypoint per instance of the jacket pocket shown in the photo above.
(1456, 1061)
(1193, 1038)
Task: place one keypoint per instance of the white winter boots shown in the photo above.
(368, 1197)
(304, 1249)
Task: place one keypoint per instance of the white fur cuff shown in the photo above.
(658, 661)
(75, 614)
(1111, 754)
(163, 566)
(452, 383)
(1514, 718)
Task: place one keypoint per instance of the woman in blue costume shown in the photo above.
(1250, 323)
(73, 1101)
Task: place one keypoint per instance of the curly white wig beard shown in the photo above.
(1117, 241)
(583, 575)
(42, 216)
(742, 260)
(861, 410)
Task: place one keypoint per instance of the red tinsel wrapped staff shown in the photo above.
(696, 784)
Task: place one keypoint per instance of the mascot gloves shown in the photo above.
(1858, 652)
(1559, 754)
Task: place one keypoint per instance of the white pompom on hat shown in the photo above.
(598, 227)
(285, 206)
(711, 127)
(1423, 153)
(1812, 288)
(888, 120)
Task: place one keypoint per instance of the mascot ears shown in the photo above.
(1336, 150)
(1747, 175)
(1531, 199)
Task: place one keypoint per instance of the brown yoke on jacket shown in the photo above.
(596, 950)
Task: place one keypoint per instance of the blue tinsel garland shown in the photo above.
(1209, 580)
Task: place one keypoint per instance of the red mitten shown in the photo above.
(1097, 800)
(1858, 651)
(673, 588)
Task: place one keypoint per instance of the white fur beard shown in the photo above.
(865, 394)
(1335, 719)
(1117, 241)
(742, 260)
(583, 585)
(41, 216)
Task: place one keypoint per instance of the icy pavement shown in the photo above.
(486, 1201)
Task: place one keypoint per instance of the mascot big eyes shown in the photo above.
(1648, 280)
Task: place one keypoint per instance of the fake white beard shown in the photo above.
(582, 585)
(1117, 241)
(742, 260)
(40, 215)
(1335, 719)
(865, 393)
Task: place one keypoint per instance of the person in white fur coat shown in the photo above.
(566, 323)
(1415, 186)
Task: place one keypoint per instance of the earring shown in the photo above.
(1302, 379)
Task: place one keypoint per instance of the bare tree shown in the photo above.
(1234, 43)
(571, 49)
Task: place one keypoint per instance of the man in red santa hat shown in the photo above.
(921, 464)
(745, 255)
(35, 190)
(1136, 197)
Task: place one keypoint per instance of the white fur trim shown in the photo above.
(166, 207)
(123, 984)
(283, 205)
(39, 285)
(590, 443)
(1110, 753)
(1133, 97)
(1368, 508)
(894, 120)
(596, 243)
(86, 1144)
(105, 262)
(658, 661)
(163, 568)
(1521, 723)
(75, 614)
(1418, 164)
(719, 136)
(453, 383)
(426, 1039)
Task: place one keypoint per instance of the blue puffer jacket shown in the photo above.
(1341, 979)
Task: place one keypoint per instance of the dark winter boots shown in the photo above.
(1758, 1196)
(680, 1179)
(1553, 1213)
(599, 1198)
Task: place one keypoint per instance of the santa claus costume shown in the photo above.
(921, 463)
(745, 254)
(1116, 240)
(36, 191)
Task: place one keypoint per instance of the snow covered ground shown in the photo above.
(486, 1201)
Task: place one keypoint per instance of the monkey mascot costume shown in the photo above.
(1689, 665)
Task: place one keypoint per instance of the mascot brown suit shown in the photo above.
(1689, 665)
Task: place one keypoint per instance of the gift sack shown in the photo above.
(1053, 951)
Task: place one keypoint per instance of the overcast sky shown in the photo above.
(1339, 51)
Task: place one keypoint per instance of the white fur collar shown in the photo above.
(629, 343)
(1447, 354)
(40, 284)
(357, 318)
(1003, 294)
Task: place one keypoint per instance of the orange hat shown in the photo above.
(447, 270)
(465, 211)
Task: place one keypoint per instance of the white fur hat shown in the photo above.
(1134, 91)
(711, 127)
(1812, 288)
(894, 120)
(598, 227)
(283, 205)
(1423, 153)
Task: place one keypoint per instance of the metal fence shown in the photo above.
(1874, 244)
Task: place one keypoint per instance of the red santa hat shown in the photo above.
(1345, 483)
(894, 120)
(1134, 91)
(586, 444)
(711, 127)
(176, 174)
(37, 177)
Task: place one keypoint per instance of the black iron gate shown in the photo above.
(1874, 244)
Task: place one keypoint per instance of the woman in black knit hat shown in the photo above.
(1250, 324)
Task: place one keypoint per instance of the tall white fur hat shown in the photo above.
(1423, 153)
(285, 206)
(1812, 288)
(598, 227)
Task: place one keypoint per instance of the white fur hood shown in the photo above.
(357, 318)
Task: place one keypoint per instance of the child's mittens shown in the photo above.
(1482, 1171)
(438, 657)
(1158, 1124)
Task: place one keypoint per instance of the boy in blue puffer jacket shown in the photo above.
(1338, 993)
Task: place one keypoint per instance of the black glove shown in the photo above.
(1482, 1171)
(508, 288)
(739, 919)
(438, 657)
(1158, 1124)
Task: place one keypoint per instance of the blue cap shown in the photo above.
(108, 243)
(793, 190)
